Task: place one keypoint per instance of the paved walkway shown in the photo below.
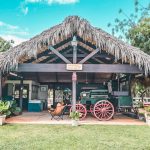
(45, 118)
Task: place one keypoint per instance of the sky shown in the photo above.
(21, 20)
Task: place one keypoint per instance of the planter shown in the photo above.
(2, 119)
(148, 121)
(141, 117)
(75, 123)
(141, 114)
(17, 113)
(147, 116)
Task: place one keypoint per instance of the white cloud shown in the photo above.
(8, 29)
(3, 24)
(17, 40)
(25, 9)
(52, 1)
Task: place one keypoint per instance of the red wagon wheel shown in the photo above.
(103, 110)
(81, 109)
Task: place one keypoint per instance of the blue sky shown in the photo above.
(23, 19)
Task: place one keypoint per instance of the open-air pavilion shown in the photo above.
(72, 55)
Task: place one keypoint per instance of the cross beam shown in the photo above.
(99, 68)
(59, 55)
(89, 56)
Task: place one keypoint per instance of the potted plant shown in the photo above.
(74, 115)
(147, 114)
(17, 111)
(14, 109)
(4, 111)
(141, 111)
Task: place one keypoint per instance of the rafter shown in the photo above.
(89, 56)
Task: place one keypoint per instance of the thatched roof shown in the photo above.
(71, 26)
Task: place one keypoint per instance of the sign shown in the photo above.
(74, 67)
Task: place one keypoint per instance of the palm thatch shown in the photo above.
(71, 26)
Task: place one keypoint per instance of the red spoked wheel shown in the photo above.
(91, 109)
(103, 110)
(81, 109)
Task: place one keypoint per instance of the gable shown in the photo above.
(86, 34)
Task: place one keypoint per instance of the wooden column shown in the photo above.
(54, 87)
(74, 74)
(0, 85)
(129, 79)
(118, 81)
(21, 93)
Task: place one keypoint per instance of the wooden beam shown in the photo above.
(74, 54)
(59, 55)
(93, 58)
(101, 68)
(89, 56)
(21, 94)
(85, 54)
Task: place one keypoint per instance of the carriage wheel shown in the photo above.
(81, 109)
(103, 110)
(91, 109)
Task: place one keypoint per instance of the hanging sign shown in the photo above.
(74, 67)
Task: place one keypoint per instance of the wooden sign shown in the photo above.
(74, 67)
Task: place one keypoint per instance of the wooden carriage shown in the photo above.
(97, 103)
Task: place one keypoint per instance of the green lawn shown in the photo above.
(85, 137)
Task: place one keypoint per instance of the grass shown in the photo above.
(63, 137)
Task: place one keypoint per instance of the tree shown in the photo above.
(134, 28)
(4, 45)
(139, 35)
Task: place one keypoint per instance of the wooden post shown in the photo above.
(0, 85)
(118, 82)
(21, 93)
(54, 94)
(129, 79)
(74, 74)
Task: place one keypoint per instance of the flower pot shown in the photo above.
(141, 117)
(2, 119)
(147, 116)
(75, 123)
(148, 121)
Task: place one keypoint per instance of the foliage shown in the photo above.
(4, 45)
(9, 108)
(17, 111)
(147, 109)
(139, 89)
(134, 28)
(141, 113)
(74, 115)
(139, 35)
(13, 108)
(4, 108)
